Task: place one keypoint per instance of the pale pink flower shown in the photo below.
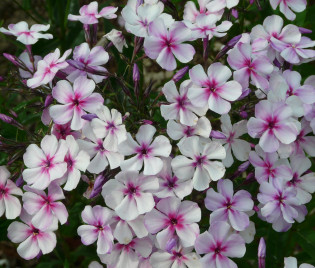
(229, 207)
(62, 131)
(218, 244)
(248, 67)
(89, 13)
(25, 59)
(177, 131)
(128, 255)
(45, 208)
(25, 35)
(268, 166)
(8, 202)
(117, 38)
(291, 262)
(180, 107)
(101, 156)
(212, 89)
(170, 185)
(191, 12)
(177, 257)
(75, 101)
(165, 45)
(172, 218)
(44, 164)
(86, 61)
(197, 162)
(130, 194)
(304, 143)
(286, 6)
(147, 152)
(77, 160)
(97, 227)
(232, 143)
(273, 124)
(33, 241)
(48, 67)
(109, 126)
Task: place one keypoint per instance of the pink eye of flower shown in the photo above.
(199, 161)
(3, 191)
(35, 232)
(173, 221)
(217, 250)
(177, 254)
(189, 131)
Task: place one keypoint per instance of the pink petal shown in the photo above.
(63, 92)
(166, 59)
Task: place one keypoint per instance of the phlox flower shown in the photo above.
(45, 208)
(172, 218)
(232, 143)
(77, 160)
(101, 156)
(280, 205)
(180, 107)
(124, 231)
(177, 131)
(212, 89)
(229, 207)
(97, 227)
(75, 101)
(86, 60)
(170, 185)
(109, 125)
(268, 166)
(8, 202)
(304, 143)
(291, 262)
(62, 131)
(25, 59)
(130, 194)
(128, 255)
(248, 67)
(147, 152)
(287, 7)
(164, 45)
(191, 12)
(25, 35)
(218, 244)
(44, 164)
(177, 257)
(89, 13)
(273, 124)
(48, 67)
(221, 4)
(117, 38)
(302, 181)
(197, 162)
(33, 241)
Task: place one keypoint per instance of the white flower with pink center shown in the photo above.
(117, 38)
(268, 166)
(77, 160)
(101, 155)
(44, 164)
(197, 162)
(249, 67)
(304, 143)
(177, 131)
(191, 12)
(172, 218)
(130, 194)
(273, 124)
(33, 241)
(62, 131)
(75, 101)
(291, 262)
(229, 207)
(218, 244)
(25, 58)
(147, 152)
(287, 7)
(212, 89)
(45, 208)
(280, 204)
(124, 231)
(232, 143)
(177, 257)
(164, 45)
(48, 67)
(97, 227)
(89, 13)
(109, 125)
(25, 35)
(128, 255)
(180, 107)
(86, 61)
(9, 204)
(170, 185)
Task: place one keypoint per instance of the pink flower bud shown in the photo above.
(180, 74)
(89, 117)
(217, 135)
(49, 99)
(243, 166)
(261, 253)
(234, 13)
(243, 114)
(305, 31)
(135, 73)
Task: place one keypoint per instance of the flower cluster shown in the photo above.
(151, 189)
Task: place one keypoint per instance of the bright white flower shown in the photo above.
(117, 38)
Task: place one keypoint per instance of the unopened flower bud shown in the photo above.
(244, 94)
(261, 253)
(136, 73)
(19, 182)
(49, 99)
(305, 31)
(234, 13)
(180, 74)
(1, 78)
(243, 114)
(217, 135)
(125, 116)
(171, 243)
(243, 166)
(147, 122)
(12, 58)
(89, 117)
(9, 120)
